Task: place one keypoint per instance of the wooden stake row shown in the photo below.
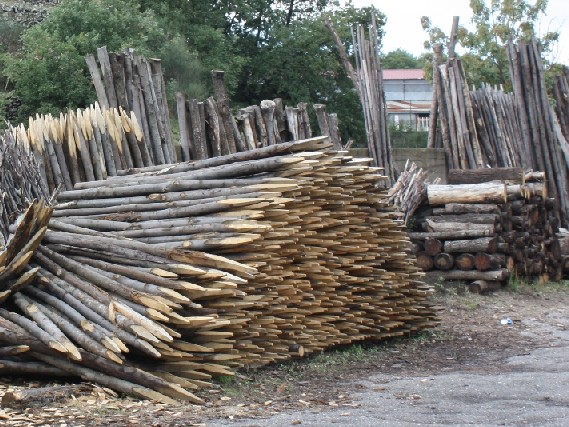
(85, 145)
(20, 182)
(206, 131)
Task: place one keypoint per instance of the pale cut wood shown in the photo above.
(467, 193)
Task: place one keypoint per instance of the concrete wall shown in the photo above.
(432, 160)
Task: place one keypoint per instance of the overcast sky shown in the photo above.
(403, 29)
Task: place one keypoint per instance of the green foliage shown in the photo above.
(495, 23)
(183, 71)
(410, 139)
(10, 33)
(400, 58)
(50, 74)
(10, 41)
(300, 62)
(267, 49)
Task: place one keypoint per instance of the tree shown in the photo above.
(299, 62)
(49, 74)
(400, 58)
(495, 23)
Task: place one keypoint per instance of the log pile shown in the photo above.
(489, 127)
(152, 283)
(500, 224)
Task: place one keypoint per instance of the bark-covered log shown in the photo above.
(484, 261)
(484, 286)
(432, 246)
(467, 193)
(464, 262)
(424, 261)
(484, 244)
(467, 208)
(452, 234)
(498, 275)
(478, 176)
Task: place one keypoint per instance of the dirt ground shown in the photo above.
(471, 337)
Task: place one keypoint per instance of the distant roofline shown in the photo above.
(404, 74)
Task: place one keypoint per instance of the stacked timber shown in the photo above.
(496, 117)
(410, 190)
(152, 283)
(20, 182)
(561, 98)
(501, 223)
(456, 118)
(545, 149)
(126, 81)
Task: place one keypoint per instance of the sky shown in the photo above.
(403, 29)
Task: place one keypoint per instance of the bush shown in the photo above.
(50, 74)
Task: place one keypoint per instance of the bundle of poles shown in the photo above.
(410, 190)
(490, 128)
(486, 225)
(154, 282)
(367, 77)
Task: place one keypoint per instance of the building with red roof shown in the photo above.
(408, 96)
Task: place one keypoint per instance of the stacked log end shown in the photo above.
(153, 283)
(501, 225)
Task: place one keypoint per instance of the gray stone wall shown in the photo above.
(27, 12)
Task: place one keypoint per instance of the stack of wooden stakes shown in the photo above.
(208, 129)
(20, 182)
(85, 145)
(487, 225)
(151, 283)
(545, 149)
(410, 190)
(561, 97)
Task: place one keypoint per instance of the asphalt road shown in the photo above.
(532, 390)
